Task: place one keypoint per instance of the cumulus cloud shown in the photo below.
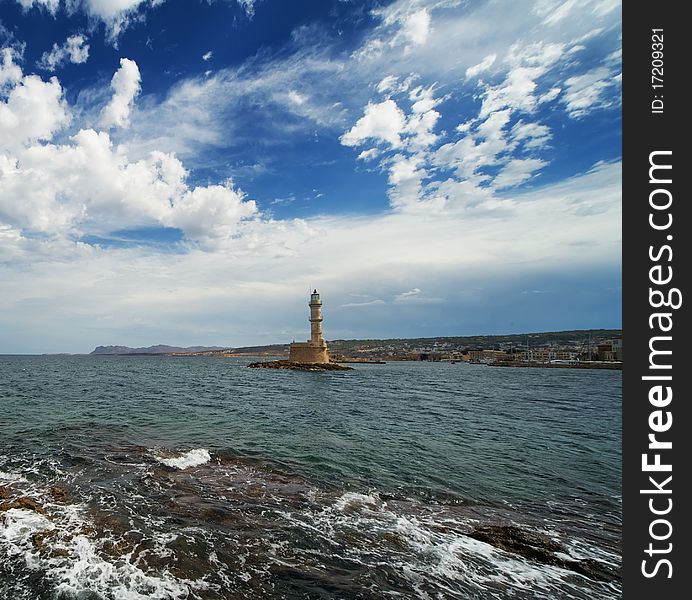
(74, 50)
(381, 122)
(32, 110)
(211, 215)
(126, 87)
(10, 72)
(89, 186)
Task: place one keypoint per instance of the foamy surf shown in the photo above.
(193, 458)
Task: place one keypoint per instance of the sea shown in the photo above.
(155, 477)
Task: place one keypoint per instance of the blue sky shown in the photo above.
(183, 172)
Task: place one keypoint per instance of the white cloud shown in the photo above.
(117, 15)
(126, 87)
(33, 109)
(386, 84)
(405, 180)
(50, 5)
(423, 117)
(150, 297)
(370, 154)
(88, 186)
(10, 72)
(248, 6)
(296, 97)
(532, 135)
(383, 122)
(528, 63)
(516, 171)
(404, 296)
(556, 11)
(207, 55)
(442, 183)
(484, 65)
(586, 92)
(416, 26)
(74, 50)
(406, 24)
(550, 95)
(376, 302)
(211, 215)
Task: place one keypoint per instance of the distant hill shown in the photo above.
(535, 339)
(399, 346)
(158, 349)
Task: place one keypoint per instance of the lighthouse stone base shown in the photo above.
(308, 352)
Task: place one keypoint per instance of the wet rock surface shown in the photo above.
(58, 493)
(540, 548)
(294, 366)
(22, 503)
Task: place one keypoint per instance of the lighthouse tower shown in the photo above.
(315, 349)
(316, 319)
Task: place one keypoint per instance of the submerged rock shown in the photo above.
(295, 366)
(39, 538)
(540, 548)
(511, 538)
(58, 493)
(22, 503)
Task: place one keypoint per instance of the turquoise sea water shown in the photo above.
(201, 478)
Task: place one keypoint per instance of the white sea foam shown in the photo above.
(440, 559)
(18, 525)
(86, 570)
(5, 476)
(354, 500)
(81, 567)
(193, 458)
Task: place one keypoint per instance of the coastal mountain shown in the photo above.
(158, 349)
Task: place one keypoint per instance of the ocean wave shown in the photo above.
(193, 458)
(64, 544)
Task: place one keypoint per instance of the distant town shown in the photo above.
(593, 346)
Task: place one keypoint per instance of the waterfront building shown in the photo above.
(315, 349)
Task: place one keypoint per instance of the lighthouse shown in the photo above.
(315, 349)
(315, 318)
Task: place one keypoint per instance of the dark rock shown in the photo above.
(540, 548)
(25, 503)
(294, 366)
(518, 541)
(58, 493)
(4, 493)
(594, 570)
(39, 538)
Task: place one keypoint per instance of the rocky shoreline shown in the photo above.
(294, 366)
